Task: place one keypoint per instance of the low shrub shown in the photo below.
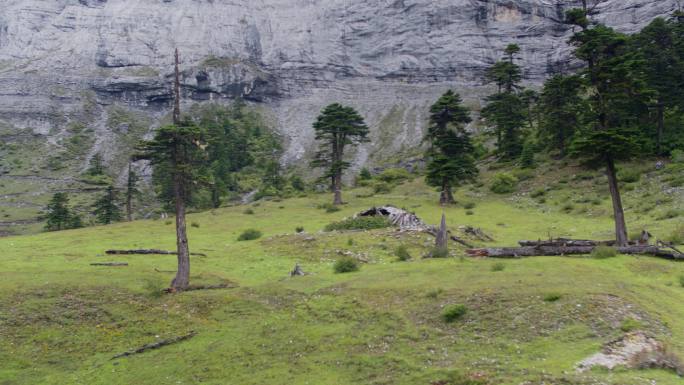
(552, 297)
(329, 208)
(359, 223)
(538, 193)
(438, 252)
(669, 214)
(567, 208)
(676, 237)
(453, 313)
(630, 324)
(195, 225)
(504, 183)
(434, 293)
(250, 235)
(154, 287)
(299, 229)
(248, 212)
(604, 252)
(346, 265)
(524, 174)
(402, 253)
(168, 222)
(470, 212)
(380, 187)
(629, 175)
(499, 266)
(469, 205)
(350, 242)
(394, 175)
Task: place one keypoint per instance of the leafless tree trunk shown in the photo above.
(442, 235)
(338, 189)
(618, 211)
(446, 197)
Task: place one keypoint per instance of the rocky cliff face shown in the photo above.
(104, 66)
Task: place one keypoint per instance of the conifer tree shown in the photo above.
(336, 128)
(561, 106)
(59, 215)
(179, 149)
(106, 209)
(450, 154)
(506, 111)
(618, 96)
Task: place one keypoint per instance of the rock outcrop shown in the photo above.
(67, 62)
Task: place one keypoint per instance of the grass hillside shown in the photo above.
(526, 321)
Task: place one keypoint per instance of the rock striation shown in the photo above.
(67, 61)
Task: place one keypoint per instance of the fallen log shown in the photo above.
(478, 233)
(539, 251)
(432, 231)
(147, 252)
(155, 345)
(110, 264)
(562, 242)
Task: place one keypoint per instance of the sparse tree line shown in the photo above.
(627, 100)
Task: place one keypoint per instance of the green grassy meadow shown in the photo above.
(62, 320)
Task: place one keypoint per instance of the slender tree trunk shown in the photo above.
(129, 196)
(661, 128)
(446, 197)
(337, 200)
(618, 211)
(182, 279)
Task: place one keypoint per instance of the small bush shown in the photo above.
(469, 205)
(299, 229)
(250, 235)
(499, 266)
(359, 223)
(567, 208)
(603, 252)
(677, 156)
(439, 252)
(669, 214)
(681, 280)
(504, 183)
(629, 175)
(346, 265)
(470, 212)
(380, 187)
(552, 297)
(195, 225)
(453, 313)
(434, 293)
(538, 193)
(350, 242)
(630, 324)
(523, 175)
(365, 174)
(154, 287)
(402, 253)
(329, 208)
(249, 212)
(168, 222)
(394, 175)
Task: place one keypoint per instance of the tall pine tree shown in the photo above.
(618, 96)
(450, 154)
(106, 208)
(336, 128)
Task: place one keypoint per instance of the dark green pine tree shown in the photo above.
(560, 106)
(96, 165)
(506, 110)
(664, 69)
(131, 191)
(106, 209)
(336, 128)
(618, 98)
(450, 155)
(179, 150)
(59, 216)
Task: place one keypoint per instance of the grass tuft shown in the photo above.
(453, 313)
(250, 235)
(346, 265)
